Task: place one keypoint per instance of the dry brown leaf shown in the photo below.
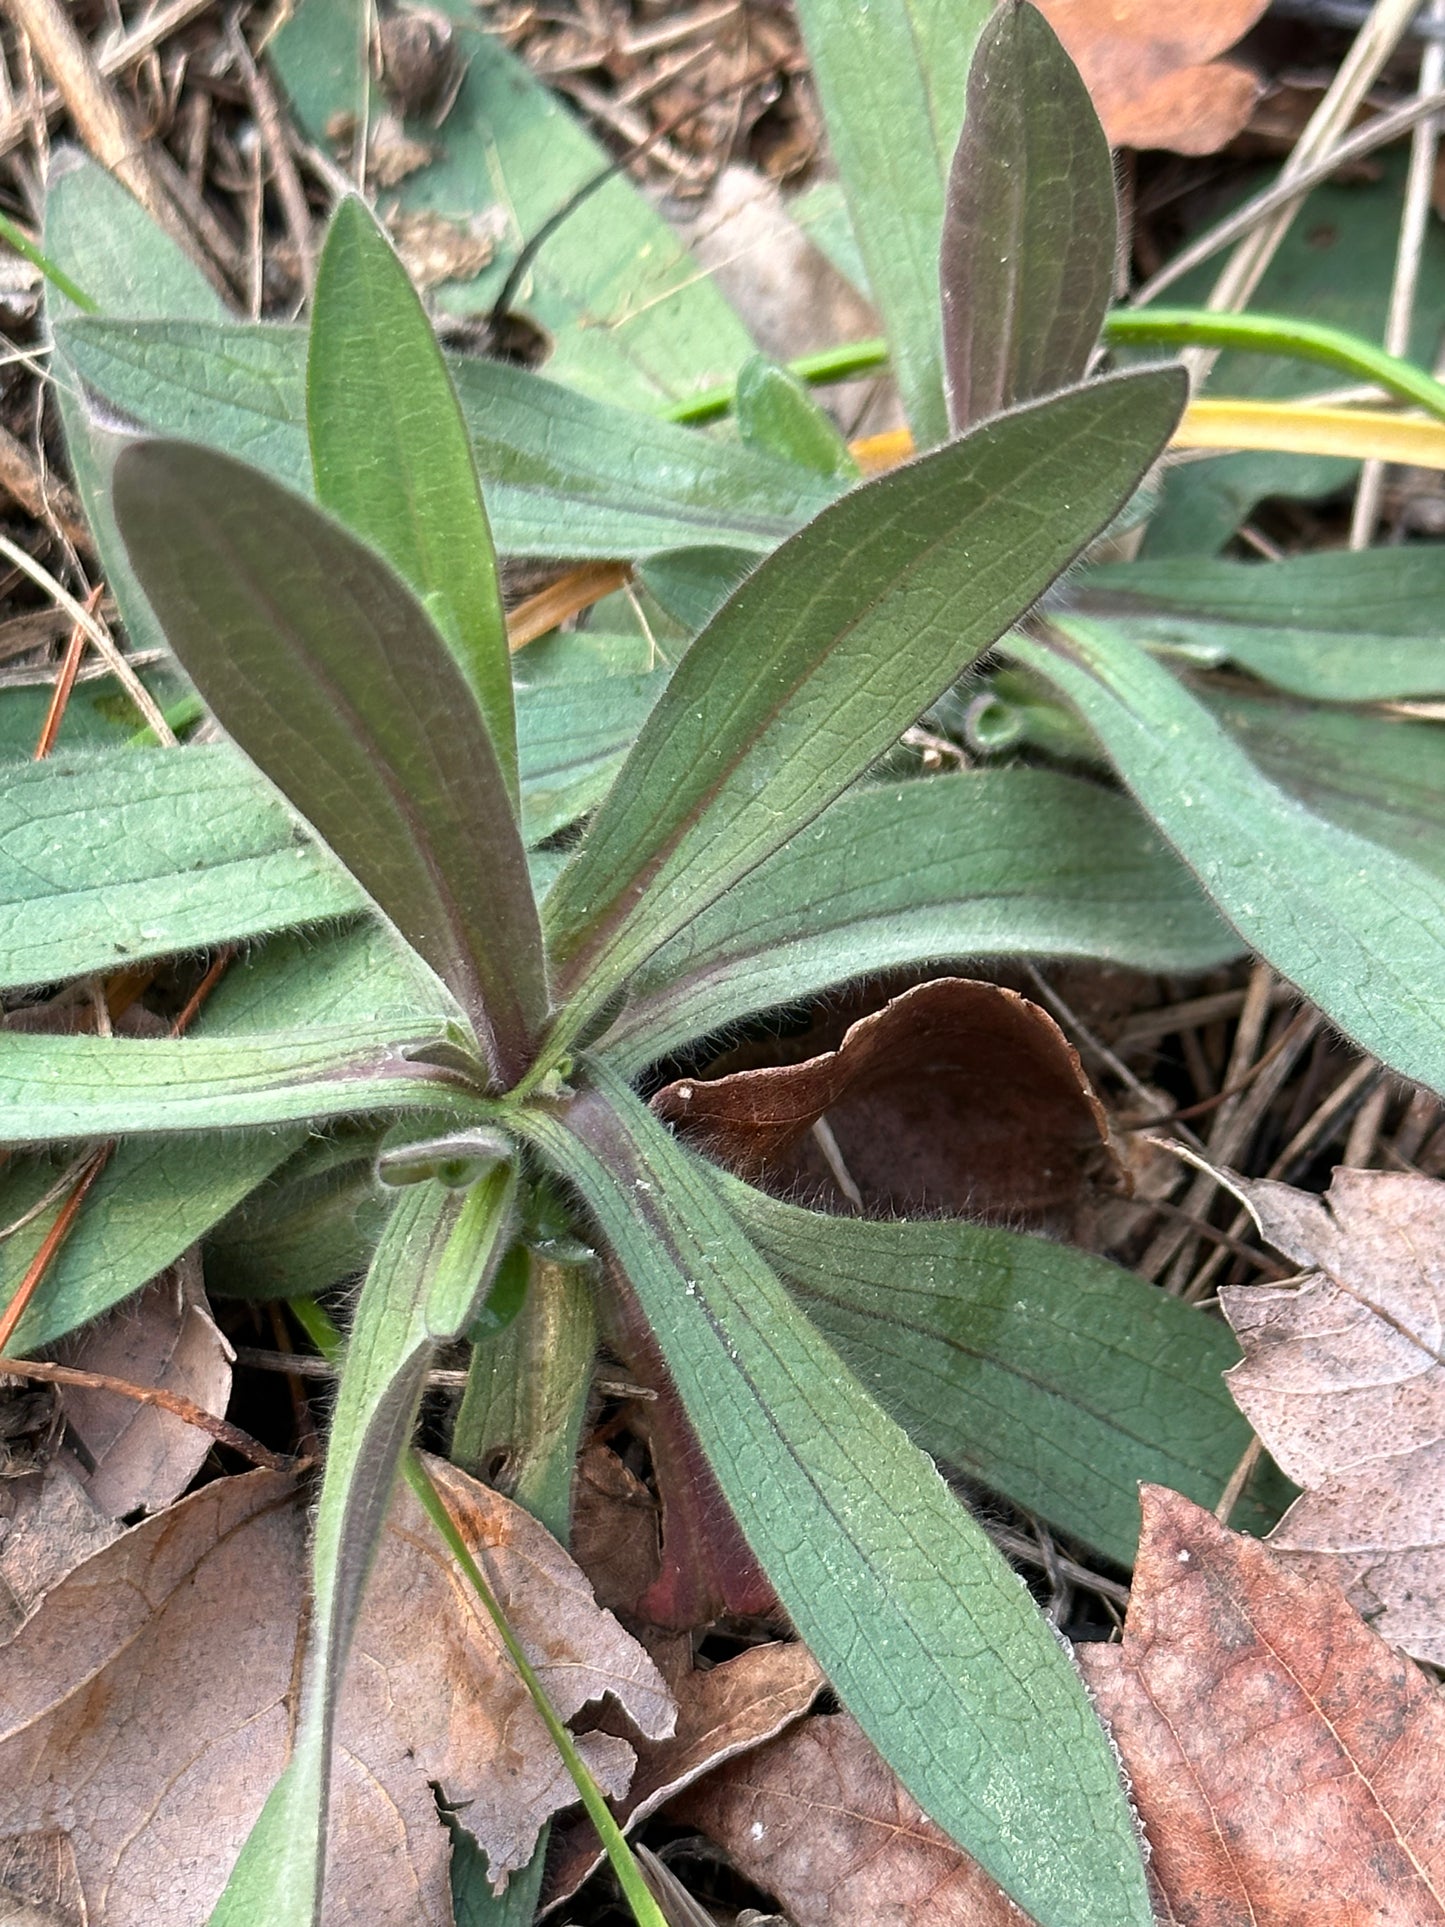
(819, 1820)
(1343, 1378)
(144, 1706)
(435, 249)
(48, 1524)
(132, 1457)
(39, 1884)
(1151, 68)
(723, 1712)
(1286, 1762)
(955, 1097)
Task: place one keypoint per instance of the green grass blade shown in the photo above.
(329, 674)
(832, 648)
(928, 1638)
(620, 1856)
(392, 460)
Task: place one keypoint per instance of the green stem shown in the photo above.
(1259, 334)
(828, 364)
(624, 1864)
(1263, 334)
(57, 277)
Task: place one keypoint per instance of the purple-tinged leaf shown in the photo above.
(329, 674)
(829, 650)
(1029, 225)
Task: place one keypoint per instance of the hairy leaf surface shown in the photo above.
(1358, 929)
(565, 475)
(927, 1637)
(829, 650)
(1000, 862)
(329, 674)
(392, 460)
(1050, 1375)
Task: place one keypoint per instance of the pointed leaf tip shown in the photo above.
(329, 674)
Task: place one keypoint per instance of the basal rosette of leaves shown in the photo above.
(364, 670)
(425, 1064)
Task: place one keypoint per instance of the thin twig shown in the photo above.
(1409, 253)
(120, 667)
(289, 192)
(22, 477)
(65, 681)
(1379, 132)
(1358, 72)
(100, 120)
(112, 58)
(176, 1403)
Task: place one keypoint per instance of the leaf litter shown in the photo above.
(1284, 1759)
(1343, 1378)
(144, 1704)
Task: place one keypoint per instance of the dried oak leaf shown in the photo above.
(1151, 68)
(820, 1821)
(956, 1096)
(1343, 1378)
(135, 1457)
(723, 1712)
(1286, 1762)
(119, 1456)
(144, 1708)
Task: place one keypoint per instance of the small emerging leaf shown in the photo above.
(775, 412)
(434, 1259)
(1029, 227)
(392, 459)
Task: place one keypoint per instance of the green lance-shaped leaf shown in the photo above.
(999, 862)
(1057, 1379)
(154, 1198)
(892, 80)
(53, 1088)
(1029, 227)
(1360, 930)
(110, 858)
(928, 1638)
(435, 1259)
(392, 459)
(158, 1194)
(564, 475)
(829, 650)
(331, 677)
(1371, 772)
(1339, 625)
